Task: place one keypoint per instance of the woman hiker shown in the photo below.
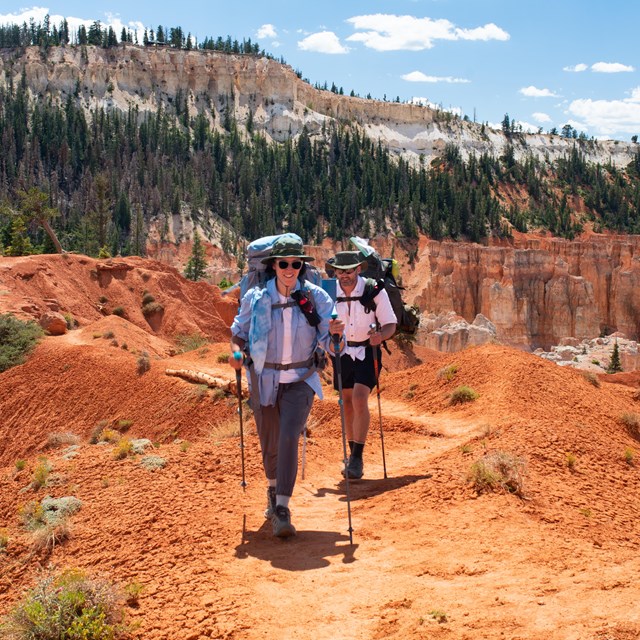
(283, 328)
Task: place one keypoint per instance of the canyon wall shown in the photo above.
(278, 101)
(536, 291)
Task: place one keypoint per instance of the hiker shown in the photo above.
(281, 326)
(364, 331)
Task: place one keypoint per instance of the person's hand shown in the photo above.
(336, 327)
(375, 336)
(236, 359)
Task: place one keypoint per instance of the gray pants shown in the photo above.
(279, 430)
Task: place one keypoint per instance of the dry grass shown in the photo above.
(632, 422)
(499, 471)
(229, 428)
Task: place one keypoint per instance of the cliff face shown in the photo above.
(279, 102)
(537, 291)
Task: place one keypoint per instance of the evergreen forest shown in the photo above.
(94, 182)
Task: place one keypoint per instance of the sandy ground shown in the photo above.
(430, 557)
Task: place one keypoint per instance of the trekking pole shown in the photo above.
(376, 353)
(238, 356)
(304, 448)
(336, 346)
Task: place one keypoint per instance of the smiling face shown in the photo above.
(348, 278)
(287, 270)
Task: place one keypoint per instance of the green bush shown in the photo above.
(463, 394)
(17, 339)
(71, 606)
(190, 342)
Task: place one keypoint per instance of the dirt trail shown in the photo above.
(431, 557)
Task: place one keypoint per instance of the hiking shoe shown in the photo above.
(281, 521)
(271, 502)
(355, 468)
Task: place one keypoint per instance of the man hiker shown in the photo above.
(280, 327)
(364, 330)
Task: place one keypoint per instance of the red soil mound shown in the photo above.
(432, 557)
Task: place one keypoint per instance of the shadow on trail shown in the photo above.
(365, 488)
(304, 551)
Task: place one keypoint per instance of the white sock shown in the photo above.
(282, 501)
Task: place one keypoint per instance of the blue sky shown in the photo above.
(544, 63)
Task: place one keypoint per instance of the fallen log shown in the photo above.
(205, 378)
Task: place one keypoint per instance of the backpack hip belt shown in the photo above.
(354, 343)
(292, 365)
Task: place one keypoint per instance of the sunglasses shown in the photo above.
(344, 272)
(296, 264)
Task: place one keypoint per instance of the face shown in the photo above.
(347, 277)
(287, 270)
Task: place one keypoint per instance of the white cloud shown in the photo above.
(323, 42)
(384, 32)
(266, 31)
(418, 76)
(609, 117)
(541, 117)
(534, 92)
(577, 68)
(610, 67)
(425, 102)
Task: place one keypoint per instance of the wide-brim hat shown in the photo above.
(287, 248)
(346, 260)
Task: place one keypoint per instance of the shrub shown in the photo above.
(119, 311)
(55, 440)
(123, 425)
(147, 298)
(463, 394)
(17, 340)
(448, 373)
(123, 449)
(20, 464)
(144, 364)
(629, 456)
(109, 435)
(41, 474)
(71, 605)
(151, 308)
(498, 471)
(4, 539)
(107, 335)
(72, 323)
(94, 438)
(571, 460)
(46, 538)
(132, 592)
(632, 422)
(190, 342)
(591, 378)
(223, 358)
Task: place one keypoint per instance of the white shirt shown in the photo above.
(287, 344)
(357, 321)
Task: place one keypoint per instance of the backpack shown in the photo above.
(382, 274)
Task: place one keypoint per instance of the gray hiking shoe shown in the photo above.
(355, 468)
(271, 502)
(281, 521)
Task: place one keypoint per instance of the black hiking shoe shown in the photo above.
(355, 468)
(271, 502)
(281, 521)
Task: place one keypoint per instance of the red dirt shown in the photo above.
(560, 562)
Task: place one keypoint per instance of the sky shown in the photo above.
(545, 64)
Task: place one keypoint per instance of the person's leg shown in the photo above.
(294, 402)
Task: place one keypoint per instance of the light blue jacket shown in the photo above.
(261, 328)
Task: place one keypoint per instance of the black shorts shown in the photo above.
(361, 371)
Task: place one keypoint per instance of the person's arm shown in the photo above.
(378, 337)
(240, 331)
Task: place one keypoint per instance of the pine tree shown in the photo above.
(197, 263)
(615, 366)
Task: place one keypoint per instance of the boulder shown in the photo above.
(53, 323)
